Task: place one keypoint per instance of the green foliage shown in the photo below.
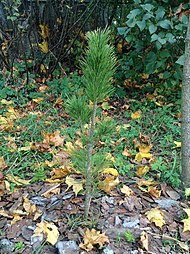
(129, 237)
(155, 37)
(98, 66)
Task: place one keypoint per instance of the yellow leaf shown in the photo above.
(146, 183)
(111, 171)
(127, 191)
(18, 181)
(142, 170)
(136, 115)
(110, 157)
(108, 184)
(187, 192)
(69, 148)
(29, 207)
(49, 229)
(60, 172)
(156, 216)
(144, 240)
(44, 47)
(38, 100)
(93, 238)
(178, 145)
(106, 106)
(186, 221)
(76, 185)
(44, 31)
(139, 156)
(144, 149)
(4, 214)
(5, 102)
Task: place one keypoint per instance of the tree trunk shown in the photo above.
(186, 114)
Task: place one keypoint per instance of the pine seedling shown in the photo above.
(98, 67)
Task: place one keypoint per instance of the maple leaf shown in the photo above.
(49, 229)
(76, 185)
(154, 192)
(127, 191)
(156, 216)
(92, 238)
(186, 221)
(108, 184)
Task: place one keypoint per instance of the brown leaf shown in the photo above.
(127, 191)
(3, 164)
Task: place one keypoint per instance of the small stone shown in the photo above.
(131, 222)
(107, 250)
(6, 246)
(118, 221)
(67, 247)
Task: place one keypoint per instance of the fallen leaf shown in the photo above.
(142, 170)
(106, 106)
(52, 191)
(154, 192)
(178, 145)
(76, 185)
(146, 183)
(186, 221)
(111, 171)
(53, 138)
(60, 172)
(3, 164)
(93, 238)
(108, 184)
(44, 47)
(38, 100)
(18, 181)
(187, 192)
(126, 152)
(156, 216)
(136, 115)
(49, 229)
(144, 240)
(127, 191)
(29, 207)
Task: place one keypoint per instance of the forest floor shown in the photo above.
(140, 206)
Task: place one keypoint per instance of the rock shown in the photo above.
(166, 203)
(67, 247)
(6, 246)
(131, 222)
(107, 250)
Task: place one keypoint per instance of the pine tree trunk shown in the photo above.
(186, 114)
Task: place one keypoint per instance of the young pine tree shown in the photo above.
(98, 67)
